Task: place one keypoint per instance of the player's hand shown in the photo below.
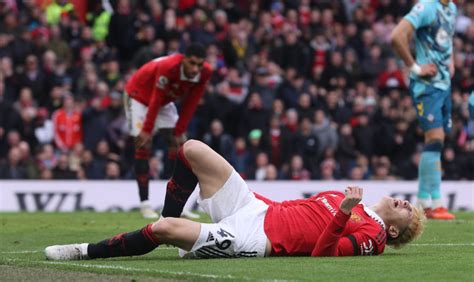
(142, 139)
(353, 197)
(428, 70)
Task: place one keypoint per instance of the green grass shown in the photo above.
(444, 253)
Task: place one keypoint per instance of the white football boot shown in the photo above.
(189, 214)
(147, 211)
(67, 252)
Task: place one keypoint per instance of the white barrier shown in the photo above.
(65, 196)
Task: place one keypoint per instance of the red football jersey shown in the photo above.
(161, 81)
(67, 129)
(316, 227)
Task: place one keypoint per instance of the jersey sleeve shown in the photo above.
(188, 107)
(159, 90)
(191, 102)
(331, 243)
(422, 14)
(264, 199)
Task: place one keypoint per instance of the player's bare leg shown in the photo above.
(196, 159)
(211, 169)
(430, 176)
(178, 232)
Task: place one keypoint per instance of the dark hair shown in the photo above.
(196, 49)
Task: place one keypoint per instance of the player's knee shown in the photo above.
(165, 228)
(192, 148)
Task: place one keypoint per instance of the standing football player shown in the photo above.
(431, 24)
(149, 107)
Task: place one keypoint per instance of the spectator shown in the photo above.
(58, 9)
(112, 171)
(46, 157)
(27, 161)
(34, 79)
(307, 145)
(324, 130)
(94, 124)
(67, 125)
(273, 66)
(241, 157)
(254, 116)
(271, 173)
(13, 168)
(296, 170)
(259, 173)
(62, 169)
(219, 141)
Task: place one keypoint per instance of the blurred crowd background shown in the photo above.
(306, 89)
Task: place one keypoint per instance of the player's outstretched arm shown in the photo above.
(331, 243)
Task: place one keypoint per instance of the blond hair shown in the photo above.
(412, 232)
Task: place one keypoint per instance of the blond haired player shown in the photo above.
(246, 224)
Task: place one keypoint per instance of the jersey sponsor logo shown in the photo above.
(327, 205)
(367, 248)
(419, 107)
(162, 82)
(442, 37)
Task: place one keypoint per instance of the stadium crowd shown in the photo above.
(306, 89)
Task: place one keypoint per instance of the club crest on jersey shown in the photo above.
(162, 81)
(418, 8)
(430, 118)
(139, 125)
(355, 217)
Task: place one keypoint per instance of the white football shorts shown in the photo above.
(238, 228)
(135, 113)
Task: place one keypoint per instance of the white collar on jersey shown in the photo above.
(183, 77)
(374, 216)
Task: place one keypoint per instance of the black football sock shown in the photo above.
(134, 243)
(142, 169)
(179, 187)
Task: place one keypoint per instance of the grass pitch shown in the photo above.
(444, 253)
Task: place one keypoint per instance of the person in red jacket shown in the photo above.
(149, 107)
(67, 125)
(246, 224)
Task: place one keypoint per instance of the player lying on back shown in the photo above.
(246, 224)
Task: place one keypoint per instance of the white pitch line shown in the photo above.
(117, 267)
(454, 221)
(21, 252)
(40, 251)
(443, 245)
(171, 248)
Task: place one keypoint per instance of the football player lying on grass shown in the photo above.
(246, 224)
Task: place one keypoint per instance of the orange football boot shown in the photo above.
(439, 213)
